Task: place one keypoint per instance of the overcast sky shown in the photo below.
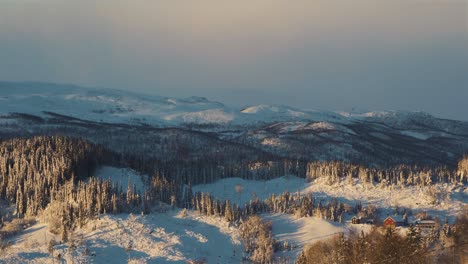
(312, 54)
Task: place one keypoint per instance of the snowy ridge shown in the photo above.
(107, 105)
(115, 106)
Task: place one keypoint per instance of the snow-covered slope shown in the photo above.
(272, 113)
(156, 238)
(300, 232)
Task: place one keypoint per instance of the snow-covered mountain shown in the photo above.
(385, 136)
(108, 105)
(115, 106)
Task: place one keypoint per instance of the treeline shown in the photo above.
(75, 203)
(33, 171)
(297, 204)
(334, 171)
(388, 246)
(203, 171)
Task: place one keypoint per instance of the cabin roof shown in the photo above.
(395, 218)
(425, 222)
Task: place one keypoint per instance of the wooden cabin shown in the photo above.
(394, 221)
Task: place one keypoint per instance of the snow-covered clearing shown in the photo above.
(155, 238)
(225, 189)
(121, 176)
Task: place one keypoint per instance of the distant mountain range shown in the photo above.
(277, 129)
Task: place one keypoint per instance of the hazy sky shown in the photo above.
(313, 54)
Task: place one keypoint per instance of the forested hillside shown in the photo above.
(33, 171)
(53, 178)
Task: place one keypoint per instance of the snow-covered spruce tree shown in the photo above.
(403, 174)
(462, 171)
(257, 238)
(413, 238)
(228, 214)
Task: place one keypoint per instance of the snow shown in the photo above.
(218, 116)
(449, 203)
(418, 135)
(272, 113)
(155, 238)
(177, 237)
(108, 105)
(225, 189)
(274, 142)
(122, 177)
(322, 126)
(302, 231)
(386, 197)
(286, 228)
(273, 110)
(114, 106)
(30, 246)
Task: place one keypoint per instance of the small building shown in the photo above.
(355, 220)
(359, 220)
(425, 224)
(394, 221)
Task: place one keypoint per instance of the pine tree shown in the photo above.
(413, 238)
(228, 215)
